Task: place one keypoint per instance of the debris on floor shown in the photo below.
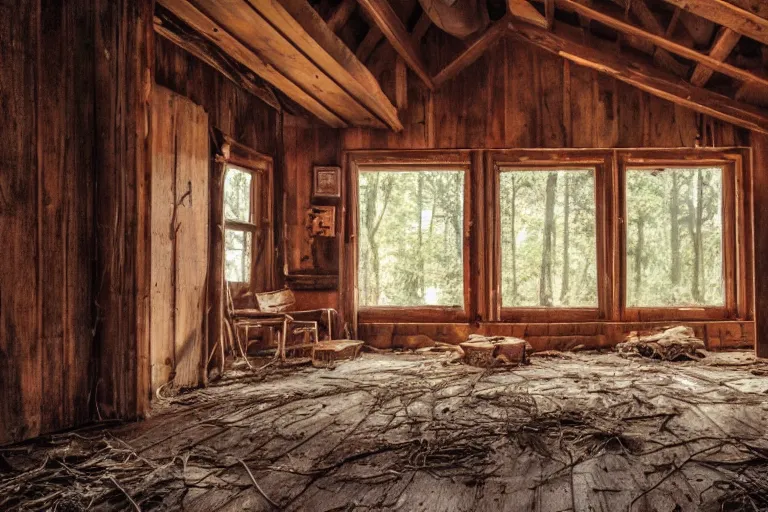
(488, 351)
(674, 344)
(413, 433)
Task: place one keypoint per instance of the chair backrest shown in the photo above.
(276, 302)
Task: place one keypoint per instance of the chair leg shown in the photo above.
(283, 338)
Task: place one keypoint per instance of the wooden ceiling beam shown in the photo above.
(723, 46)
(651, 23)
(523, 10)
(731, 16)
(473, 52)
(242, 20)
(300, 24)
(567, 42)
(368, 44)
(393, 29)
(662, 42)
(172, 29)
(341, 14)
(219, 36)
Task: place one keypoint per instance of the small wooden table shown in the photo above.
(326, 353)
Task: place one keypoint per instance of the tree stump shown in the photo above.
(487, 351)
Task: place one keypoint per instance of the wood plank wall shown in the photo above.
(46, 192)
(515, 96)
(237, 113)
(72, 173)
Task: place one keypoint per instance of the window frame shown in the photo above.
(412, 162)
(735, 243)
(241, 226)
(544, 161)
(260, 166)
(482, 257)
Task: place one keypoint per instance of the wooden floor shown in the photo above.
(407, 432)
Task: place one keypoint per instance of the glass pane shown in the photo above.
(237, 195)
(411, 238)
(237, 256)
(674, 237)
(548, 238)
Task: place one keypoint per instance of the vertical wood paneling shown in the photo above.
(760, 206)
(46, 148)
(20, 355)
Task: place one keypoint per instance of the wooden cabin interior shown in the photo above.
(383, 255)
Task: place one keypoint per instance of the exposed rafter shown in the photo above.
(238, 51)
(169, 27)
(341, 15)
(473, 52)
(522, 9)
(723, 46)
(298, 22)
(393, 29)
(369, 43)
(738, 19)
(582, 8)
(568, 43)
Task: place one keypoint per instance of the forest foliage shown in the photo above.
(411, 238)
(411, 250)
(237, 243)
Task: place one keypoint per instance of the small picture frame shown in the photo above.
(327, 182)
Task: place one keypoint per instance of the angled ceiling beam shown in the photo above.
(662, 42)
(300, 24)
(369, 43)
(172, 29)
(731, 16)
(473, 52)
(567, 42)
(651, 23)
(522, 9)
(341, 15)
(219, 36)
(549, 12)
(241, 20)
(723, 46)
(393, 29)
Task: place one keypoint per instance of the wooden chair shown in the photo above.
(275, 310)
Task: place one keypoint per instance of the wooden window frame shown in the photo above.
(261, 226)
(736, 235)
(542, 161)
(412, 161)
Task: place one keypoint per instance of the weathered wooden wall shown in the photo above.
(237, 113)
(46, 191)
(760, 186)
(515, 96)
(73, 85)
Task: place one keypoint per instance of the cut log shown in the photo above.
(674, 344)
(327, 353)
(487, 351)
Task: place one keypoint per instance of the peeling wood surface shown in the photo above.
(567, 432)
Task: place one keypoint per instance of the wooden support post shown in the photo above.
(760, 205)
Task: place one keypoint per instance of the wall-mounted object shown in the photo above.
(321, 221)
(327, 182)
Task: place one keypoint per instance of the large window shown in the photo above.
(535, 237)
(548, 238)
(411, 237)
(674, 237)
(240, 228)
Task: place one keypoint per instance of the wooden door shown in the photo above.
(179, 245)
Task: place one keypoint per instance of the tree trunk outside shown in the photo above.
(545, 276)
(674, 231)
(566, 240)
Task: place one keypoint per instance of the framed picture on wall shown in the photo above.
(327, 182)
